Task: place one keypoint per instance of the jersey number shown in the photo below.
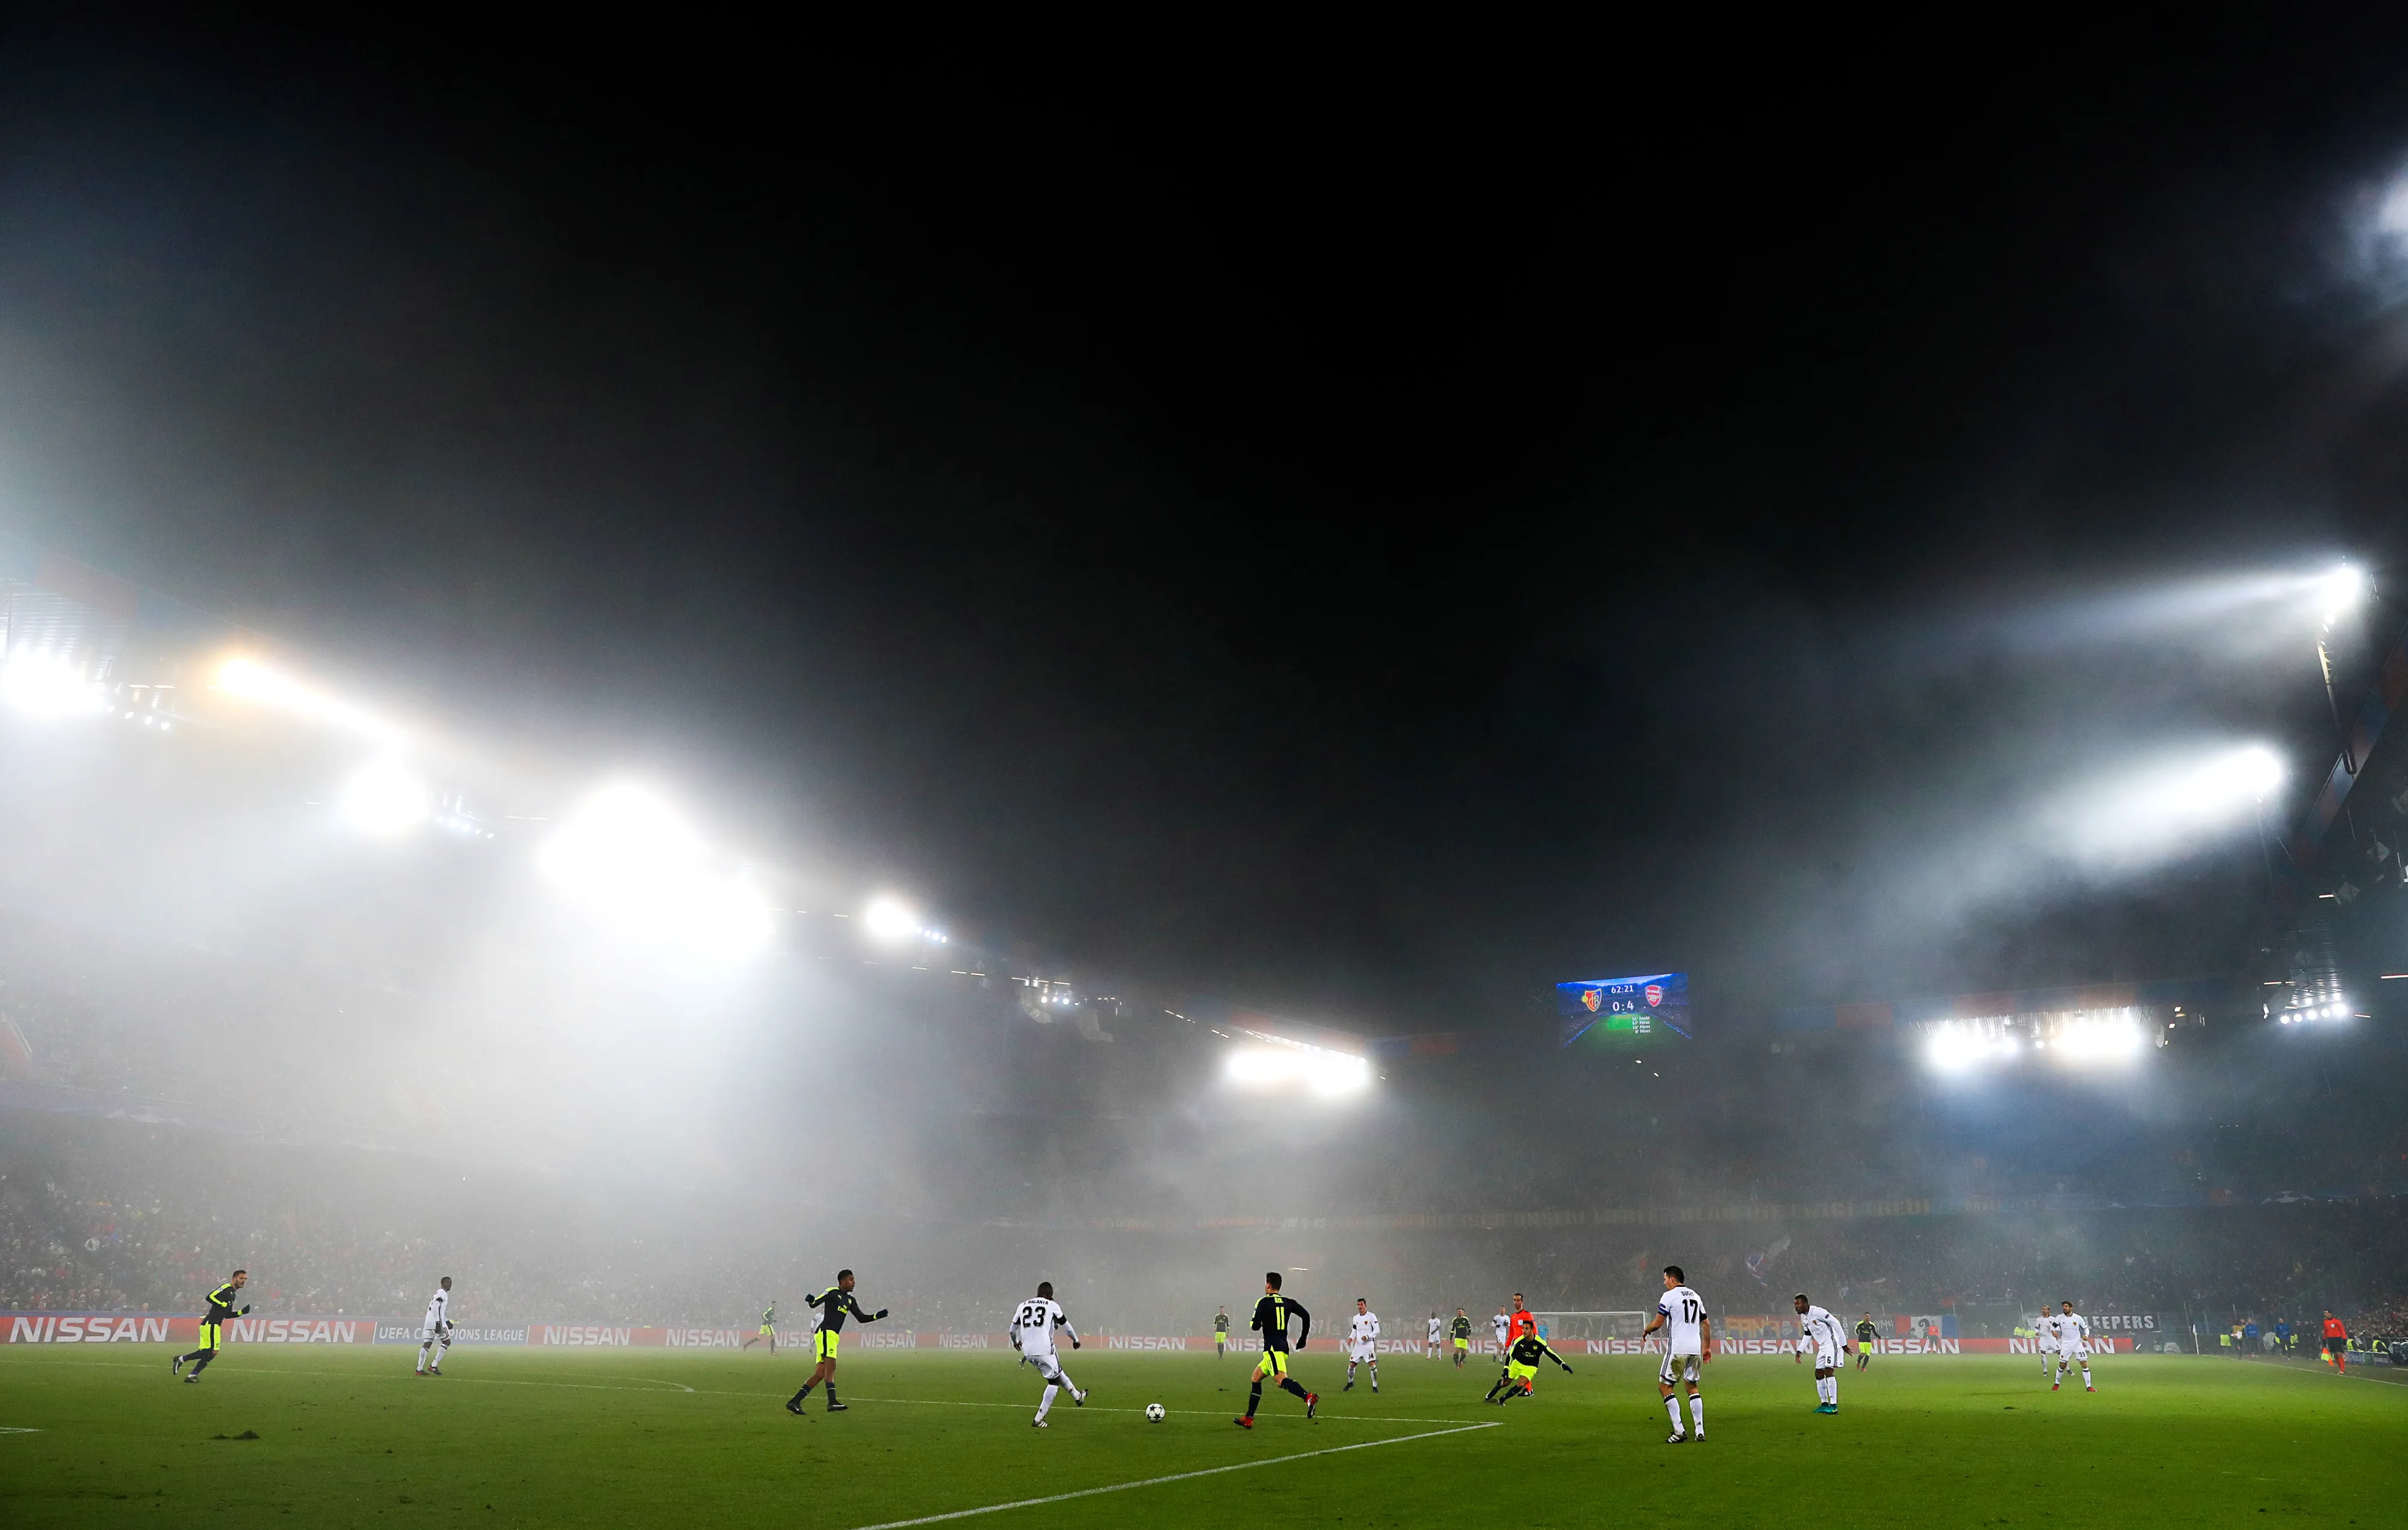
(1690, 1311)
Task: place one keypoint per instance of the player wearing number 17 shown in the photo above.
(1689, 1344)
(1823, 1333)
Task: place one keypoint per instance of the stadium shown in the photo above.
(604, 826)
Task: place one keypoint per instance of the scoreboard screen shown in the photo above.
(1622, 1011)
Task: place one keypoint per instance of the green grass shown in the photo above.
(347, 1436)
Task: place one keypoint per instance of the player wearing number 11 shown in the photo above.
(1689, 1344)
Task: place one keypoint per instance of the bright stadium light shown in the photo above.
(889, 920)
(1293, 1065)
(254, 682)
(628, 856)
(48, 688)
(383, 798)
(2225, 782)
(2339, 591)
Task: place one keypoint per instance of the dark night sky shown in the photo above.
(1370, 537)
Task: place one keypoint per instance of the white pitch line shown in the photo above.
(1174, 1477)
(7, 1431)
(1324, 1418)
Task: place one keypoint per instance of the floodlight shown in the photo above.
(1322, 1071)
(2341, 590)
(2242, 774)
(383, 798)
(49, 687)
(630, 857)
(889, 920)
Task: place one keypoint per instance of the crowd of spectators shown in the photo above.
(110, 1215)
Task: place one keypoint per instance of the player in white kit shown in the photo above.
(1362, 1343)
(1437, 1331)
(434, 1334)
(1827, 1338)
(2047, 1331)
(2073, 1346)
(1502, 1324)
(1689, 1344)
(1032, 1335)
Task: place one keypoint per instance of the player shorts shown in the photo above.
(1678, 1367)
(433, 1336)
(2336, 1346)
(1521, 1372)
(1048, 1364)
(767, 1332)
(824, 1343)
(1826, 1357)
(1363, 1351)
(2074, 1354)
(212, 1338)
(1274, 1364)
(1463, 1344)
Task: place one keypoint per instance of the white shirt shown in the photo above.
(1033, 1325)
(1685, 1313)
(2073, 1330)
(439, 1308)
(1820, 1331)
(1365, 1328)
(1434, 1327)
(1503, 1324)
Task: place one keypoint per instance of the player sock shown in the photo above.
(1047, 1401)
(1375, 1376)
(806, 1392)
(1255, 1398)
(1289, 1384)
(1832, 1390)
(831, 1401)
(1673, 1405)
(1697, 1411)
(1494, 1388)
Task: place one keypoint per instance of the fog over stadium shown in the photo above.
(636, 705)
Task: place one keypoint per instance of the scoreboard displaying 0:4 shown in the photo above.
(1623, 1011)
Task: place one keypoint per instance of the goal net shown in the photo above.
(1572, 1327)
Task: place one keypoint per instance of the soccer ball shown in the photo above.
(1153, 1413)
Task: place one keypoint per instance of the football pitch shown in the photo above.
(103, 1435)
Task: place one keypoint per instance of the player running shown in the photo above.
(1865, 1337)
(1221, 1333)
(1461, 1330)
(1437, 1331)
(1821, 1332)
(768, 1333)
(834, 1305)
(1520, 1374)
(1363, 1344)
(435, 1333)
(1689, 1344)
(2073, 1346)
(1271, 1316)
(221, 1311)
(1032, 1335)
(2336, 1339)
